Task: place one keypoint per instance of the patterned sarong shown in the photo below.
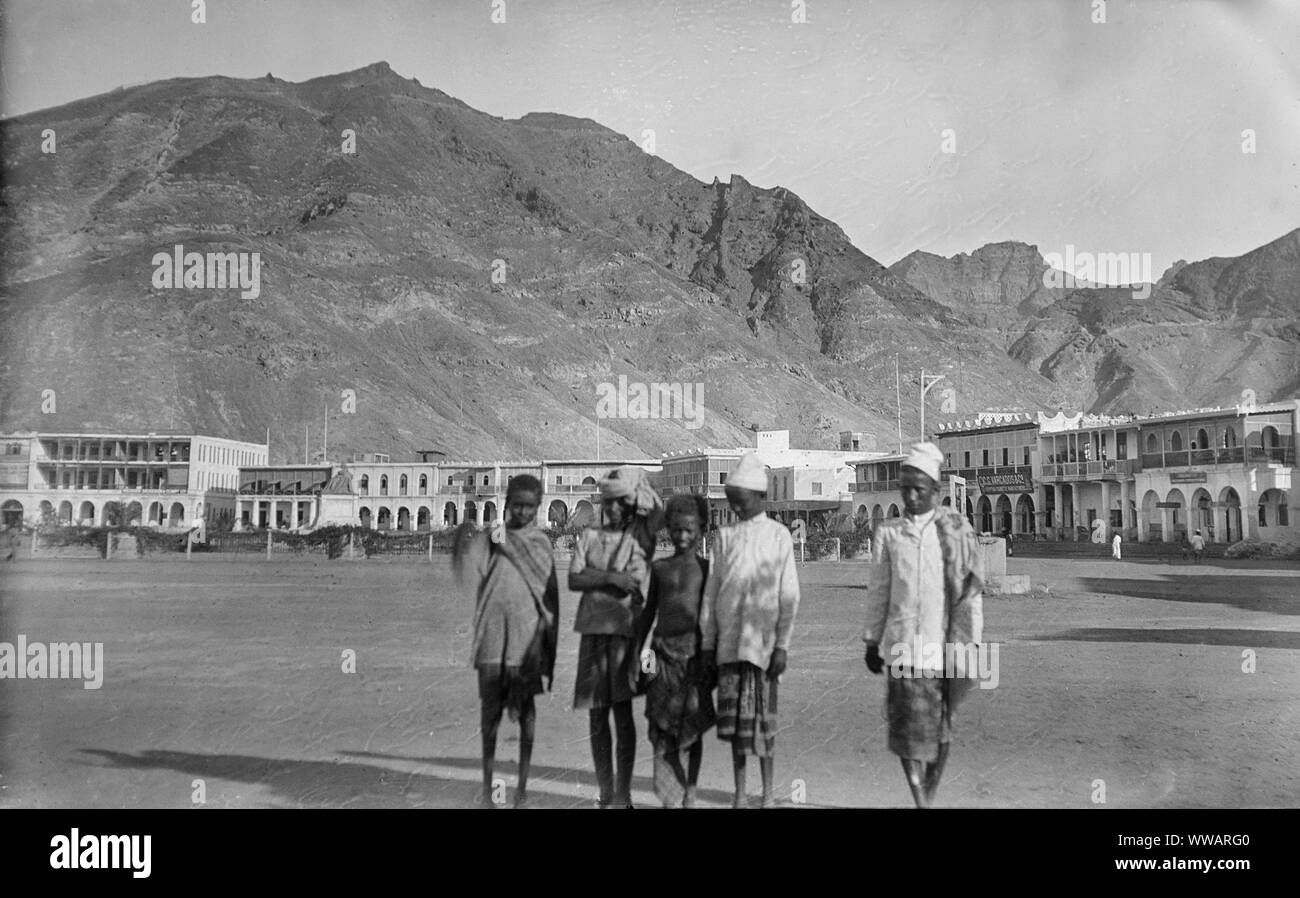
(919, 716)
(607, 671)
(679, 700)
(678, 708)
(747, 709)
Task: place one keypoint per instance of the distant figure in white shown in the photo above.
(1114, 547)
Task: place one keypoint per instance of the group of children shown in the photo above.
(720, 623)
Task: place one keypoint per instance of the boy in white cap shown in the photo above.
(925, 594)
(746, 618)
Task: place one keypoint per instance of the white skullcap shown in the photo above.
(925, 457)
(749, 473)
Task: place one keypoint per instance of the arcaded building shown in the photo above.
(418, 495)
(1159, 478)
(160, 480)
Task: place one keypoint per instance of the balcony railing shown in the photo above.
(1274, 454)
(111, 488)
(1222, 456)
(874, 486)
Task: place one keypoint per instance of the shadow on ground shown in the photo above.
(1255, 639)
(540, 775)
(331, 784)
(1275, 595)
(325, 784)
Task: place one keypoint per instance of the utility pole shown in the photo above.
(925, 388)
(898, 396)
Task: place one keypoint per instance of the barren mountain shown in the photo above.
(474, 280)
(1207, 331)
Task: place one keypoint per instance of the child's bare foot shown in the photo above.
(521, 798)
(688, 800)
(740, 801)
(768, 800)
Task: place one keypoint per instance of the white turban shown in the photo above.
(749, 473)
(926, 458)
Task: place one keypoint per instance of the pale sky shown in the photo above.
(1122, 136)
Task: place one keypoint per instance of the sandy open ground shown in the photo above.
(230, 672)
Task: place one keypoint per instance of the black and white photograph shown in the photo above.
(634, 404)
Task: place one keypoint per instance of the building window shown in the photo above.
(449, 480)
(816, 489)
(1176, 442)
(1263, 518)
(1026, 455)
(365, 484)
(383, 485)
(559, 479)
(984, 458)
(424, 484)
(1229, 438)
(1153, 445)
(965, 459)
(401, 486)
(722, 477)
(1283, 519)
(1006, 456)
(485, 480)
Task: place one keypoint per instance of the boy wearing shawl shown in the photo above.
(516, 614)
(925, 594)
(746, 618)
(610, 568)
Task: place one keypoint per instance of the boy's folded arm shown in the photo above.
(590, 578)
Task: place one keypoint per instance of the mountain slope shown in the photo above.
(474, 280)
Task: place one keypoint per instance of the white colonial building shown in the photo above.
(802, 483)
(160, 480)
(1225, 472)
(373, 492)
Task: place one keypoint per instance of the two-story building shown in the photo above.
(421, 495)
(996, 458)
(802, 483)
(160, 480)
(1225, 472)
